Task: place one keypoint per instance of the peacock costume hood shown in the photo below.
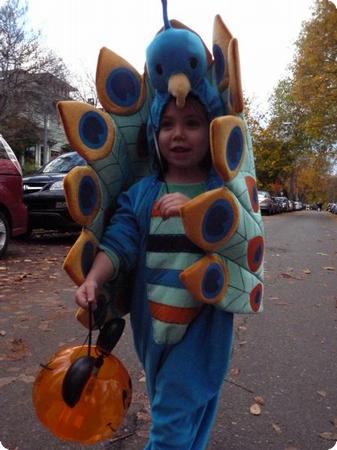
(176, 63)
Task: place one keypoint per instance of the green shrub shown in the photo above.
(29, 167)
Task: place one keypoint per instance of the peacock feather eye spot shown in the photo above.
(87, 198)
(193, 62)
(93, 130)
(159, 69)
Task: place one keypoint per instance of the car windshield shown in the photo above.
(63, 164)
(263, 194)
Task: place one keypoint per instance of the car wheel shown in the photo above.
(4, 234)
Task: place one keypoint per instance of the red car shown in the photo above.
(13, 212)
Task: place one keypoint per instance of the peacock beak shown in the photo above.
(179, 86)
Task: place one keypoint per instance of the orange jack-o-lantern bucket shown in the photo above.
(103, 401)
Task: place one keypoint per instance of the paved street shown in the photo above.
(281, 391)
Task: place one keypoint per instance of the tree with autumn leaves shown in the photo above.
(26, 87)
(297, 149)
(25, 96)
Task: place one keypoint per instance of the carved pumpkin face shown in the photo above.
(102, 406)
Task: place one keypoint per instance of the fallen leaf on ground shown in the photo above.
(5, 280)
(329, 436)
(306, 271)
(321, 393)
(234, 371)
(20, 277)
(3, 333)
(322, 254)
(329, 268)
(26, 378)
(334, 422)
(44, 326)
(259, 400)
(274, 298)
(18, 350)
(277, 428)
(288, 275)
(6, 380)
(255, 409)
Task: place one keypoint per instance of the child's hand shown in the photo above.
(86, 294)
(101, 271)
(169, 204)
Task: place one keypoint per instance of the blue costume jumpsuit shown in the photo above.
(184, 380)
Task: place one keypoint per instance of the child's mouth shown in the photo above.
(180, 150)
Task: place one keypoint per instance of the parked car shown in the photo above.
(44, 194)
(298, 206)
(265, 202)
(277, 207)
(333, 208)
(13, 212)
(284, 202)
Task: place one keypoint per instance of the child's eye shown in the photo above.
(193, 123)
(166, 123)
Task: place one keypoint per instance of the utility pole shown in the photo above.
(45, 139)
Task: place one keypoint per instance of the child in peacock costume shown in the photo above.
(181, 279)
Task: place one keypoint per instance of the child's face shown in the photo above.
(184, 136)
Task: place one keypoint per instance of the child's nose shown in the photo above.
(179, 132)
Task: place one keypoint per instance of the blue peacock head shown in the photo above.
(176, 63)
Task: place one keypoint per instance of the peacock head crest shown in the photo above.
(176, 60)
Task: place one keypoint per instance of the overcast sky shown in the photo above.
(266, 31)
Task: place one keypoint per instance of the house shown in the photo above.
(36, 104)
(45, 116)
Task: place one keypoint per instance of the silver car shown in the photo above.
(265, 202)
